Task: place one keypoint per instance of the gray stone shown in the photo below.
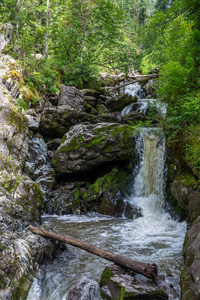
(5, 35)
(190, 275)
(187, 198)
(55, 122)
(118, 284)
(33, 119)
(87, 146)
(118, 102)
(85, 290)
(71, 96)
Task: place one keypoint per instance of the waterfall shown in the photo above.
(150, 180)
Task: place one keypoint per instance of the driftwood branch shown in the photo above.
(148, 270)
(138, 78)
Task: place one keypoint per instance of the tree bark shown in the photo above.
(148, 270)
(47, 30)
(138, 78)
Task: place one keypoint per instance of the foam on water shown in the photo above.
(133, 89)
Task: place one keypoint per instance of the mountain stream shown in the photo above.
(154, 237)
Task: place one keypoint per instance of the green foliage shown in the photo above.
(173, 82)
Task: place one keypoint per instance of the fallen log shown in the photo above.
(138, 78)
(148, 270)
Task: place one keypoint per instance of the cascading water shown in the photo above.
(154, 237)
(142, 103)
(150, 180)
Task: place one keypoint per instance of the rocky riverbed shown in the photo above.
(77, 149)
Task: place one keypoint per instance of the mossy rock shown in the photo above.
(118, 284)
(55, 122)
(117, 103)
(88, 146)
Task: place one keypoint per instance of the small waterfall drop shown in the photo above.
(150, 180)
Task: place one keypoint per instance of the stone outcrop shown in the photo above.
(21, 199)
(87, 146)
(72, 97)
(118, 284)
(185, 190)
(105, 196)
(5, 35)
(20, 251)
(87, 289)
(56, 121)
(190, 276)
(118, 102)
(188, 199)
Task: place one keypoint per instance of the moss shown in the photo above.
(15, 75)
(108, 149)
(185, 283)
(71, 146)
(5, 77)
(107, 274)
(22, 287)
(188, 179)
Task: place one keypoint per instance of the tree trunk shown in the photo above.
(148, 270)
(138, 78)
(47, 32)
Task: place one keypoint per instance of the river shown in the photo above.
(155, 237)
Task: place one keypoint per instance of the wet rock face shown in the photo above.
(20, 251)
(19, 258)
(118, 284)
(37, 166)
(118, 102)
(190, 276)
(21, 199)
(187, 198)
(87, 290)
(103, 196)
(87, 146)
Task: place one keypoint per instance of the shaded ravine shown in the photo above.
(154, 237)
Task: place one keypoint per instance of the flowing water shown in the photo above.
(153, 238)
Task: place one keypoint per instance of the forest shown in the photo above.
(78, 154)
(79, 39)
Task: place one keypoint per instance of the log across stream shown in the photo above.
(152, 238)
(148, 270)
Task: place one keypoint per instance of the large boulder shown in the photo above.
(118, 102)
(87, 146)
(71, 96)
(55, 122)
(118, 284)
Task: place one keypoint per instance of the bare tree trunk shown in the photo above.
(17, 25)
(47, 28)
(138, 78)
(148, 270)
